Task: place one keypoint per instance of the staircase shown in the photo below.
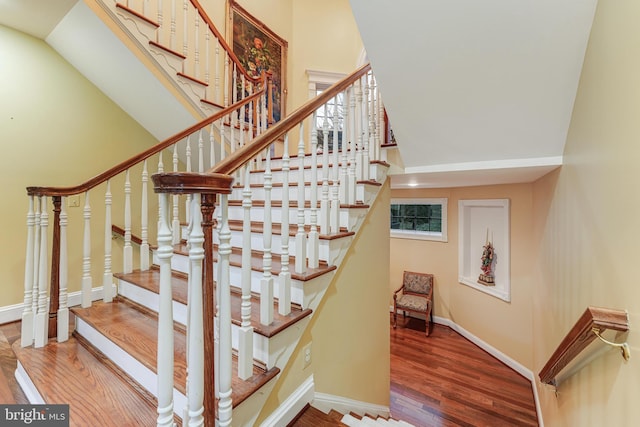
(232, 260)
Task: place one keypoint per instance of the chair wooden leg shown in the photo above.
(395, 317)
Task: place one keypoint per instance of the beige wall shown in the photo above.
(481, 314)
(586, 218)
(56, 129)
(349, 330)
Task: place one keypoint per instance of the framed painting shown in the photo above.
(259, 49)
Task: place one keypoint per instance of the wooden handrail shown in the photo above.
(104, 176)
(222, 41)
(580, 336)
(249, 151)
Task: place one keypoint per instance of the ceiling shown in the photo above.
(477, 92)
(35, 17)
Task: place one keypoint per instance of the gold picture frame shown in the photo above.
(259, 49)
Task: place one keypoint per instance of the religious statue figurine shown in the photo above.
(488, 255)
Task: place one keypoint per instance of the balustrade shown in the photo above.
(241, 154)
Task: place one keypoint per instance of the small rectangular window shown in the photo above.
(424, 219)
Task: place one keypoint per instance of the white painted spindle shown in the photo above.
(266, 283)
(63, 309)
(127, 257)
(334, 208)
(165, 319)
(42, 315)
(172, 35)
(245, 334)
(225, 350)
(175, 223)
(314, 242)
(212, 151)
(301, 236)
(346, 138)
(195, 325)
(284, 286)
(107, 277)
(359, 120)
(26, 336)
(144, 220)
(366, 122)
(324, 201)
(351, 178)
(196, 46)
(160, 22)
(87, 282)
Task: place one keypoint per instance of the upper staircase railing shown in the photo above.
(182, 29)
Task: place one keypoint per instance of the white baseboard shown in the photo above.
(27, 386)
(326, 402)
(287, 411)
(12, 313)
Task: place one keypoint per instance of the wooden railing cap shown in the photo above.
(192, 182)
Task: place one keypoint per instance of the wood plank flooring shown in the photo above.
(445, 380)
(441, 380)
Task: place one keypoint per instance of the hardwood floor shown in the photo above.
(445, 380)
(442, 380)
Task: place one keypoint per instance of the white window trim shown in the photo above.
(475, 217)
(423, 235)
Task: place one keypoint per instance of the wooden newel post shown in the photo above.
(208, 294)
(54, 292)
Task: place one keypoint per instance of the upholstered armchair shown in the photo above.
(415, 295)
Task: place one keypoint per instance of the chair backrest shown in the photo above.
(418, 283)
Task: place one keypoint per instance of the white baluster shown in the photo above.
(301, 236)
(172, 35)
(373, 113)
(185, 28)
(346, 138)
(196, 45)
(165, 319)
(224, 372)
(63, 309)
(160, 22)
(351, 179)
(216, 80)
(359, 129)
(175, 223)
(36, 259)
(225, 82)
(223, 144)
(334, 208)
(212, 150)
(324, 201)
(144, 220)
(26, 336)
(245, 335)
(284, 287)
(314, 242)
(195, 326)
(107, 277)
(207, 39)
(160, 170)
(86, 254)
(367, 128)
(187, 210)
(42, 315)
(127, 257)
(266, 283)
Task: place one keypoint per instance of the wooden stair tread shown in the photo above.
(313, 417)
(150, 280)
(136, 333)
(69, 373)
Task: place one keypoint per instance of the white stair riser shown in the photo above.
(348, 217)
(363, 193)
(377, 172)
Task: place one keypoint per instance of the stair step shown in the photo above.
(235, 260)
(70, 373)
(150, 280)
(313, 417)
(135, 332)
